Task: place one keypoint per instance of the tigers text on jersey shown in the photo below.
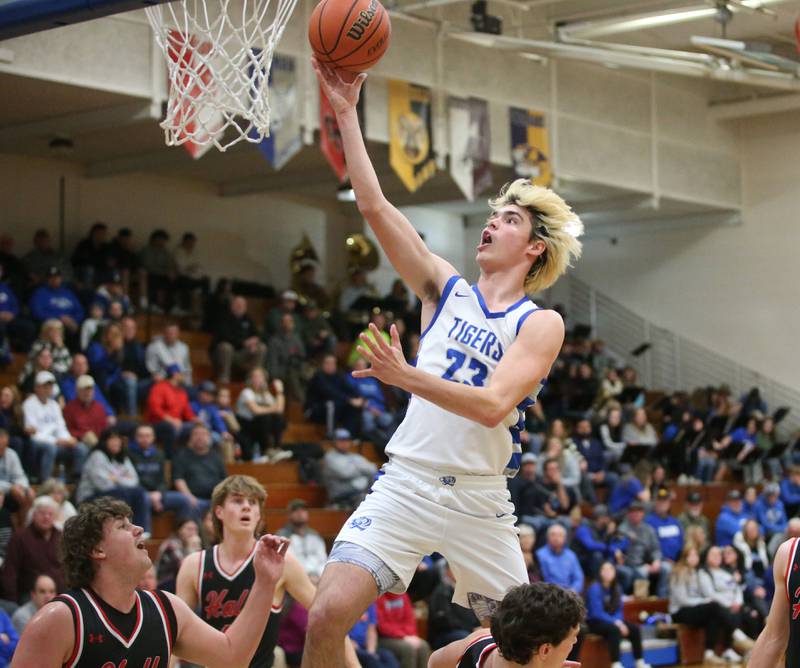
(108, 638)
(464, 342)
(223, 595)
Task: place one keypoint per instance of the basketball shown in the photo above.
(351, 35)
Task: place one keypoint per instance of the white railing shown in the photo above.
(673, 362)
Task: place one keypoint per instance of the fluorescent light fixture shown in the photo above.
(631, 22)
(345, 193)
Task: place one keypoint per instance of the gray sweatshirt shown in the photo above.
(644, 547)
(101, 474)
(346, 473)
(686, 592)
(159, 356)
(11, 471)
(719, 585)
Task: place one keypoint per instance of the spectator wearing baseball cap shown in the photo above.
(692, 514)
(770, 513)
(597, 540)
(347, 475)
(288, 304)
(667, 527)
(644, 549)
(731, 518)
(168, 409)
(207, 411)
(54, 300)
(307, 545)
(84, 415)
(50, 437)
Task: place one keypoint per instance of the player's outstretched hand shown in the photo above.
(268, 559)
(571, 664)
(387, 362)
(341, 87)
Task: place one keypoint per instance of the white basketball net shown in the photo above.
(218, 55)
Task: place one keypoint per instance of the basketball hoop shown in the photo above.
(219, 54)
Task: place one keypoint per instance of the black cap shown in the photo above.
(115, 277)
(636, 505)
(294, 504)
(663, 494)
(54, 270)
(694, 497)
(734, 495)
(600, 510)
(208, 386)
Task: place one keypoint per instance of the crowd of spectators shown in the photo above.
(99, 410)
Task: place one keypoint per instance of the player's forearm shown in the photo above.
(767, 651)
(245, 633)
(481, 404)
(369, 196)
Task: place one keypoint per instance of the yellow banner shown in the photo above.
(530, 149)
(410, 144)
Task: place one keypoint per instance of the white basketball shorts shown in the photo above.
(414, 511)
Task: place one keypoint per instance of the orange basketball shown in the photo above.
(349, 34)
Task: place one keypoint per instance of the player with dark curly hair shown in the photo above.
(104, 620)
(535, 625)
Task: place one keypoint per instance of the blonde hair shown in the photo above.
(245, 485)
(554, 223)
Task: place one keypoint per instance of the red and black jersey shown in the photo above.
(792, 581)
(223, 595)
(476, 652)
(108, 638)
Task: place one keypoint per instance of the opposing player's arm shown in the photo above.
(48, 639)
(774, 638)
(187, 580)
(449, 655)
(423, 271)
(524, 365)
(302, 590)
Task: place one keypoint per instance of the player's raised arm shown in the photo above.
(423, 271)
(522, 368)
(48, 639)
(773, 640)
(197, 642)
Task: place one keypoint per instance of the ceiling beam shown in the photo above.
(671, 223)
(83, 121)
(730, 111)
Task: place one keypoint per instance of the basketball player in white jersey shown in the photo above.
(484, 354)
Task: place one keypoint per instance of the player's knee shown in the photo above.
(327, 618)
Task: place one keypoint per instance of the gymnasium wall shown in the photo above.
(731, 289)
(250, 237)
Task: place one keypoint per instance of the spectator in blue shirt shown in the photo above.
(376, 418)
(626, 491)
(598, 540)
(18, 330)
(771, 515)
(205, 408)
(593, 451)
(53, 300)
(365, 636)
(604, 616)
(731, 518)
(8, 639)
(559, 564)
(667, 528)
(790, 491)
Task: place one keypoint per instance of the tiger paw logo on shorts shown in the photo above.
(360, 523)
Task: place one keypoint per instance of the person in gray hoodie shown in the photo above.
(643, 553)
(347, 475)
(166, 350)
(109, 472)
(689, 605)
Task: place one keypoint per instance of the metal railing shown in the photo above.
(673, 362)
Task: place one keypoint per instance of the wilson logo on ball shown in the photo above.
(361, 24)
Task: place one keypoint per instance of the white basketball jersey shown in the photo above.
(464, 343)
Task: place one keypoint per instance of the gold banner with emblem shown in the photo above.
(410, 133)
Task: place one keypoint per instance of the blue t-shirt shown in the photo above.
(358, 634)
(624, 494)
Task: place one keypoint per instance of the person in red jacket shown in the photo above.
(168, 409)
(397, 631)
(85, 417)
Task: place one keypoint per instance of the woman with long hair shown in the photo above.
(106, 358)
(109, 472)
(51, 336)
(184, 541)
(259, 409)
(604, 616)
(756, 602)
(690, 605)
(611, 435)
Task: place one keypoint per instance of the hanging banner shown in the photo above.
(196, 123)
(330, 139)
(410, 133)
(470, 140)
(285, 138)
(530, 149)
